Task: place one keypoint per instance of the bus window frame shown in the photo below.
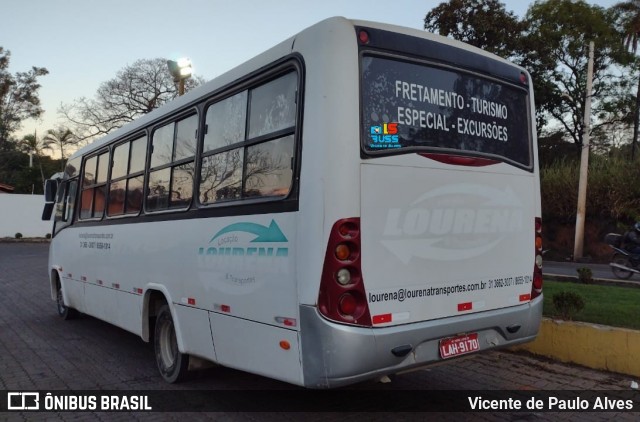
(81, 187)
(129, 139)
(290, 64)
(249, 205)
(64, 215)
(182, 114)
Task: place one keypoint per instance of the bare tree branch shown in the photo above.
(136, 90)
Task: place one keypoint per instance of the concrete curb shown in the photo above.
(591, 345)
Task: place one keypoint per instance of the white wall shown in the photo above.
(22, 213)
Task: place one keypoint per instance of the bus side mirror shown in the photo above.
(50, 190)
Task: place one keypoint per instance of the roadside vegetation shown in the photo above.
(603, 304)
(612, 196)
(613, 204)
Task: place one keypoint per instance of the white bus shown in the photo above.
(359, 200)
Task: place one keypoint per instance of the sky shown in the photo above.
(86, 42)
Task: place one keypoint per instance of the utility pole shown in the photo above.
(584, 163)
(35, 143)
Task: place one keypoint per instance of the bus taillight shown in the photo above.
(536, 288)
(342, 296)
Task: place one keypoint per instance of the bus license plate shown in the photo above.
(461, 345)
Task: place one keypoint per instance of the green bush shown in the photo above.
(585, 275)
(567, 304)
(18, 235)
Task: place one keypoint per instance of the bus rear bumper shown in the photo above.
(334, 355)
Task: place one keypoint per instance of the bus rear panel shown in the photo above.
(442, 261)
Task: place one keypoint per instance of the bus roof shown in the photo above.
(280, 50)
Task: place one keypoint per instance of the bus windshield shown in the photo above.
(411, 106)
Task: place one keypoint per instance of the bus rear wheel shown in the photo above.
(172, 364)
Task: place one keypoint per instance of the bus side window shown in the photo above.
(60, 201)
(65, 205)
(249, 146)
(127, 176)
(172, 168)
(273, 106)
(94, 186)
(269, 171)
(70, 201)
(221, 169)
(88, 179)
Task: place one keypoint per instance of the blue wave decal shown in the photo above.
(264, 233)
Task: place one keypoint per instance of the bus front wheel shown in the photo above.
(172, 364)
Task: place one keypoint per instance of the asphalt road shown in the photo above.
(569, 269)
(600, 271)
(39, 351)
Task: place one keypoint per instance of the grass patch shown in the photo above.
(608, 305)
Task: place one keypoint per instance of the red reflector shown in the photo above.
(191, 301)
(100, 282)
(381, 319)
(347, 304)
(363, 36)
(285, 345)
(83, 278)
(537, 281)
(115, 285)
(465, 306)
(525, 298)
(523, 78)
(225, 308)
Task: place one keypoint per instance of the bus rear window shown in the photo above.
(418, 107)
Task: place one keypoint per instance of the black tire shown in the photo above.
(618, 272)
(64, 311)
(172, 364)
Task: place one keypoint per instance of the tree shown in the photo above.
(18, 96)
(62, 138)
(31, 145)
(136, 90)
(15, 170)
(630, 23)
(557, 38)
(482, 23)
